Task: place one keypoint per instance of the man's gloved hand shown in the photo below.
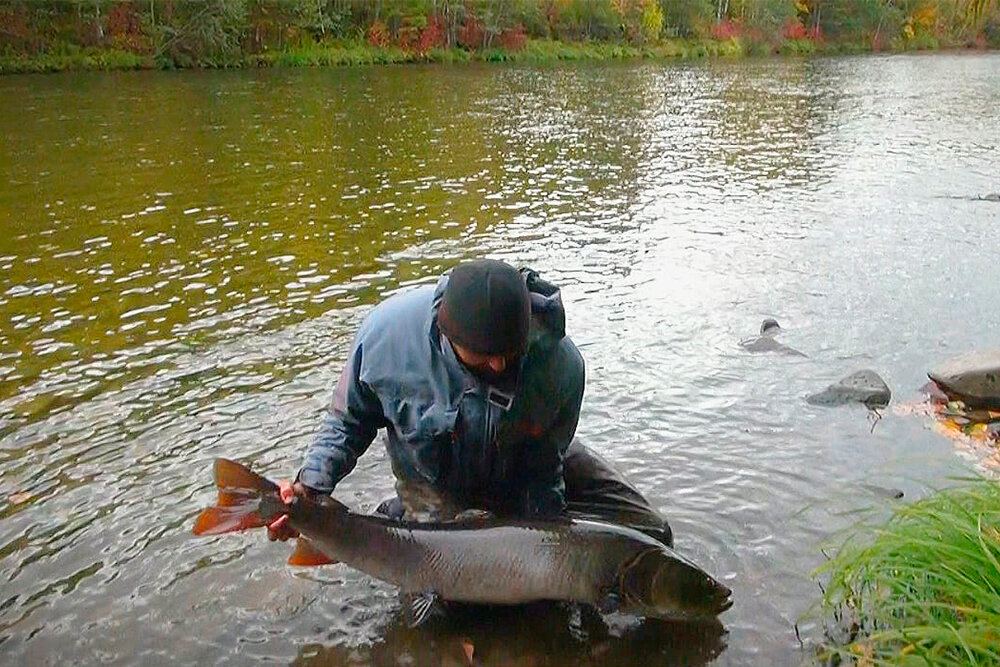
(279, 528)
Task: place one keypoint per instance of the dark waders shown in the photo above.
(595, 490)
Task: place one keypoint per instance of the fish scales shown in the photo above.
(506, 563)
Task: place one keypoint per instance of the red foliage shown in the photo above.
(378, 34)
(795, 30)
(513, 39)
(15, 31)
(407, 38)
(122, 19)
(89, 32)
(470, 35)
(726, 29)
(125, 28)
(432, 36)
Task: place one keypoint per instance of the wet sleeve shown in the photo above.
(545, 495)
(346, 431)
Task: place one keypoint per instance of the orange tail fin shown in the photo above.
(240, 494)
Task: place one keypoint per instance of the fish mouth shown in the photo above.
(706, 614)
(723, 598)
(708, 610)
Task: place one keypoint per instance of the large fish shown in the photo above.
(481, 561)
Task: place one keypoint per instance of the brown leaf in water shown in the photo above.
(469, 649)
(18, 498)
(600, 649)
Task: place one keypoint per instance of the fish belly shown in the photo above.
(502, 565)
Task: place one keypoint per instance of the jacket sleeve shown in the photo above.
(346, 431)
(545, 492)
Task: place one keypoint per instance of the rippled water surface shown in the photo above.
(184, 258)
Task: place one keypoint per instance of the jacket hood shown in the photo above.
(548, 316)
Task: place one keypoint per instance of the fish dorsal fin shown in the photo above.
(417, 608)
(232, 475)
(306, 554)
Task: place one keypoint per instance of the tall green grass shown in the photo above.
(924, 589)
(348, 52)
(73, 58)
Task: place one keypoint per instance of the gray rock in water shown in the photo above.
(864, 386)
(973, 378)
(766, 342)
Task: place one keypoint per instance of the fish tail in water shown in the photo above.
(246, 500)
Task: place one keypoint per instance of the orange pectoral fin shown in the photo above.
(306, 554)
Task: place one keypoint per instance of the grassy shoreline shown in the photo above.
(358, 52)
(924, 588)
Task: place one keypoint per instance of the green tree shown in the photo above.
(211, 32)
(652, 20)
(687, 18)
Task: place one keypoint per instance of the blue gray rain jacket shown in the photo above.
(479, 445)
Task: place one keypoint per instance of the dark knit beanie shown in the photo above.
(486, 308)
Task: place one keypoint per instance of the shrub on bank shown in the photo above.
(42, 35)
(925, 587)
(73, 59)
(798, 47)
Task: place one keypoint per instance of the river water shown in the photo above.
(184, 258)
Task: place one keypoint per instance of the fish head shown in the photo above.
(661, 583)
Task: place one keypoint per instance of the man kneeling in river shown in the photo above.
(479, 390)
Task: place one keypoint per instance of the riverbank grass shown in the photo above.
(359, 52)
(73, 58)
(354, 52)
(924, 589)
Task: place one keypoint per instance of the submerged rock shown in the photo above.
(865, 386)
(991, 196)
(883, 492)
(766, 342)
(973, 378)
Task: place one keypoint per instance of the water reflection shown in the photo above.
(242, 214)
(771, 132)
(184, 258)
(538, 634)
